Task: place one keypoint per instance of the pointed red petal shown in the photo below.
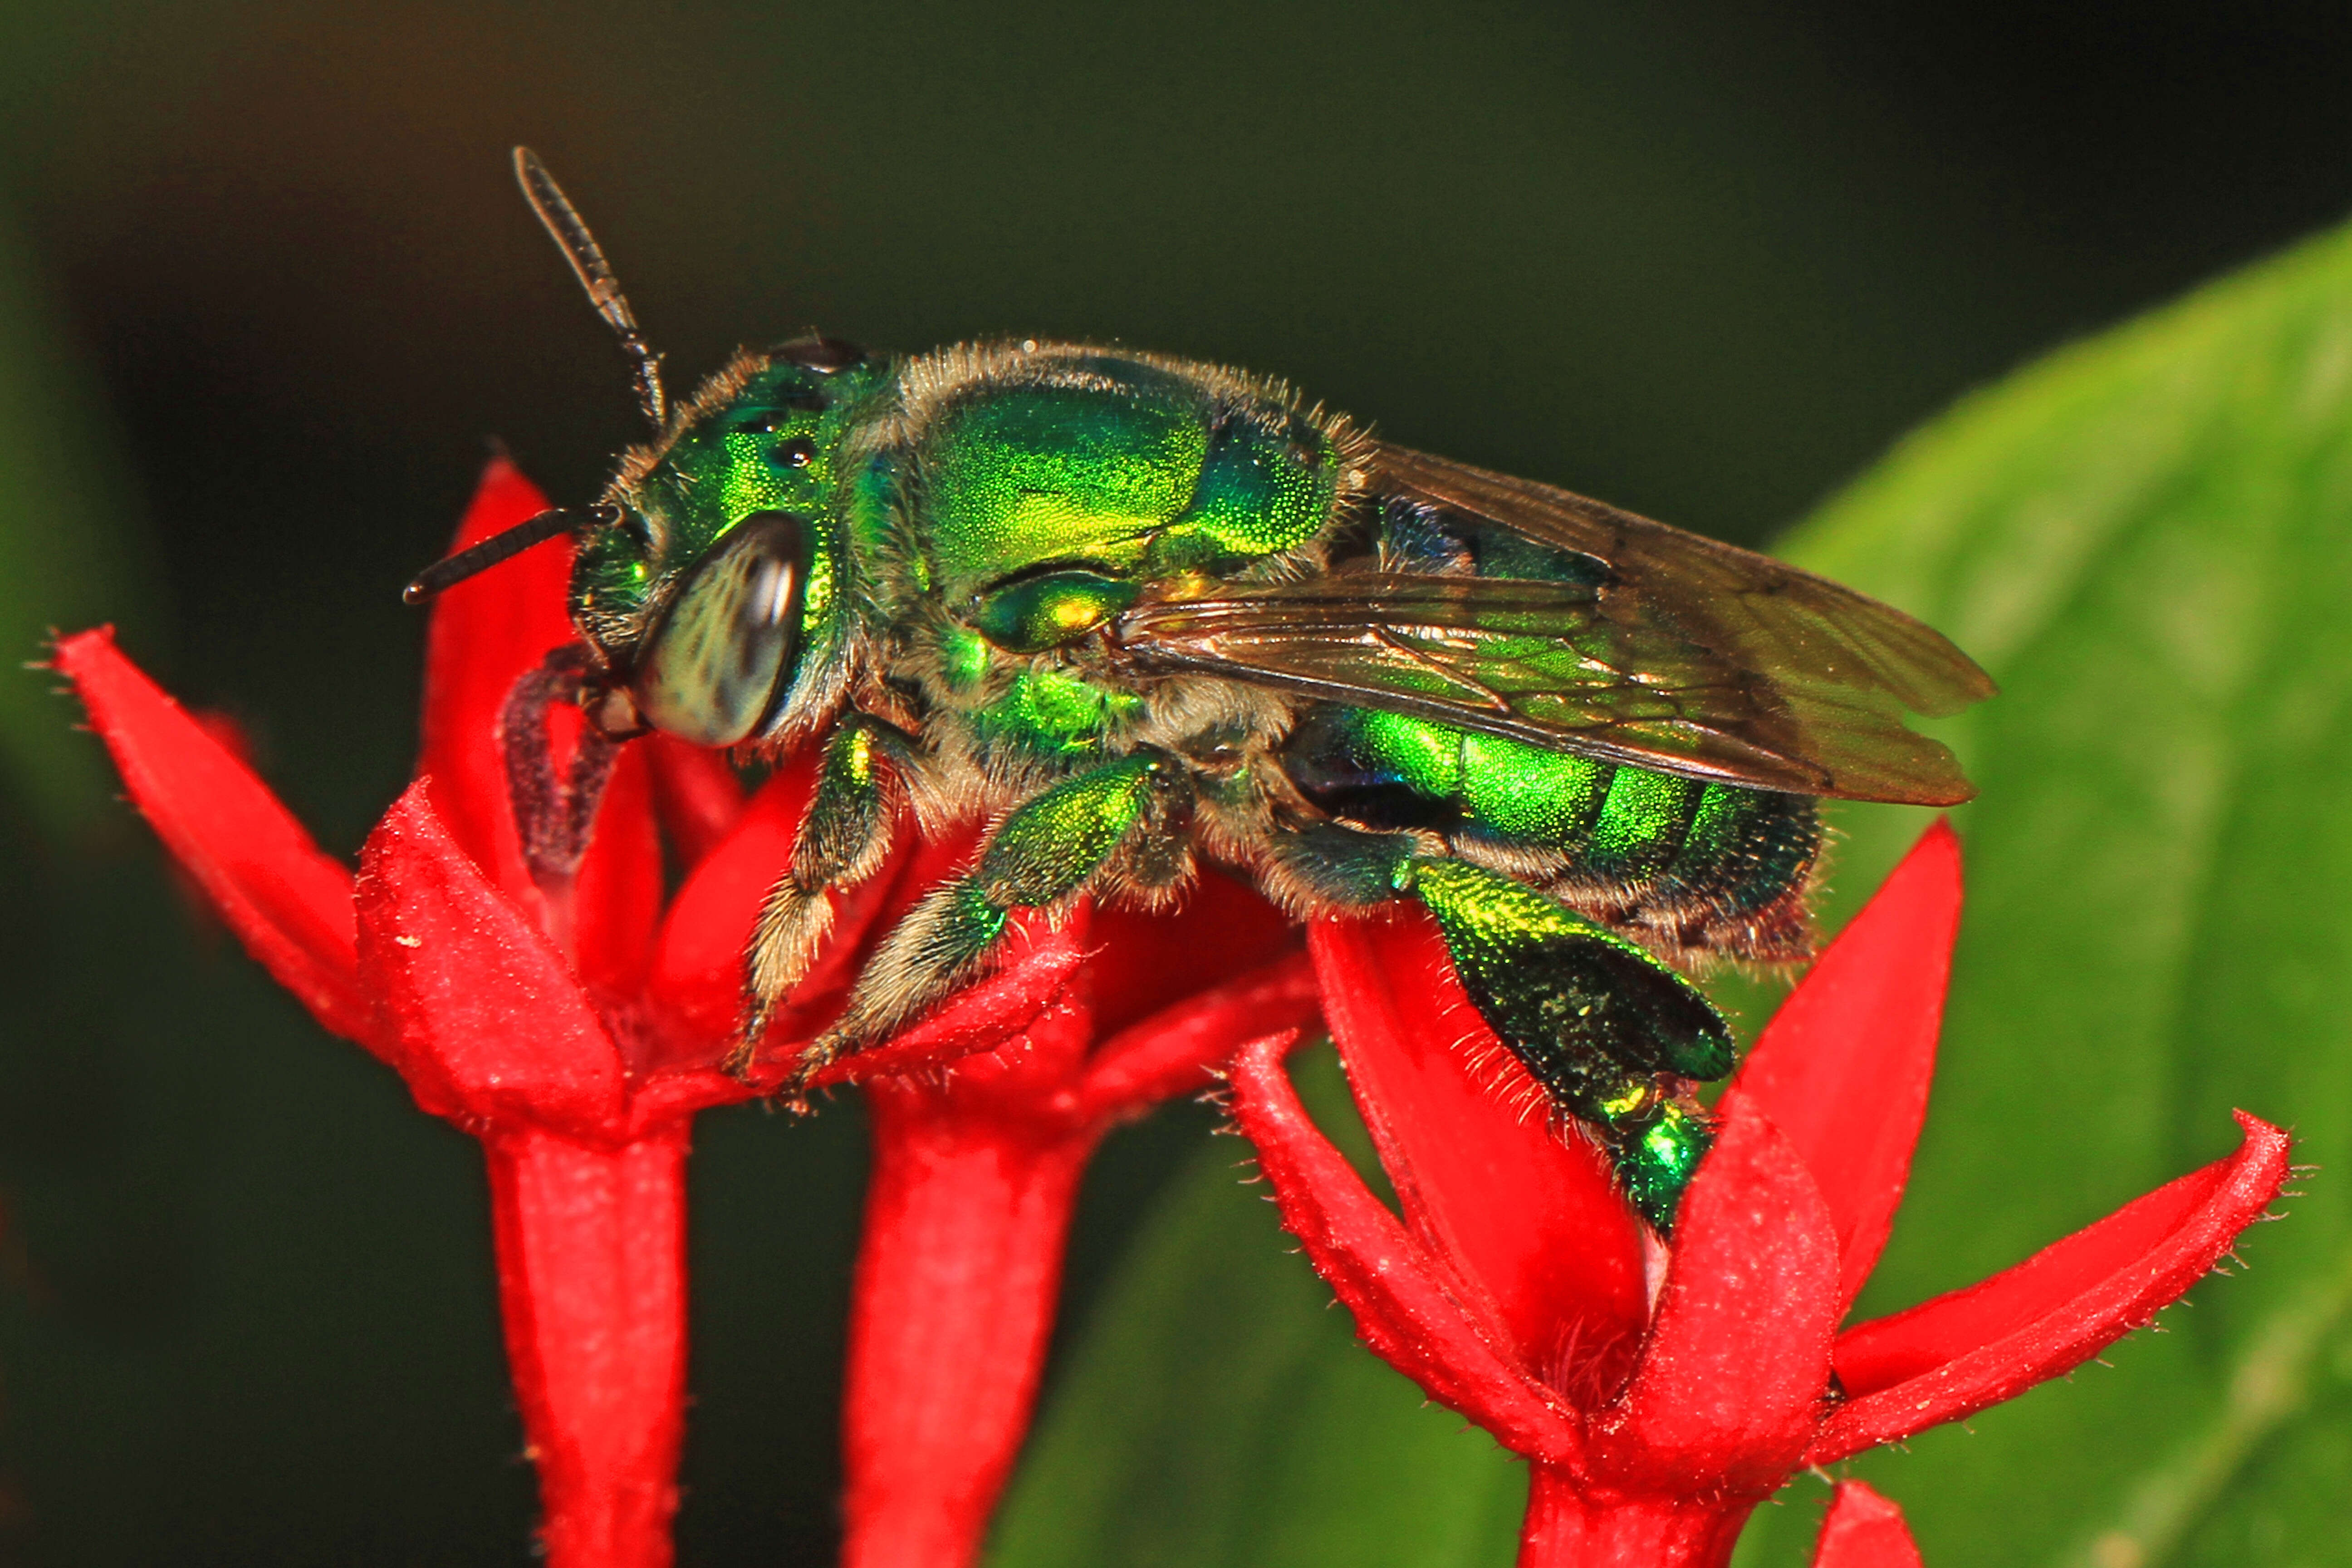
(1402, 1307)
(1149, 962)
(1179, 1049)
(1731, 1378)
(486, 632)
(1036, 979)
(617, 898)
(1524, 1212)
(1949, 1357)
(488, 1025)
(1842, 1068)
(696, 794)
(696, 979)
(289, 904)
(1863, 1530)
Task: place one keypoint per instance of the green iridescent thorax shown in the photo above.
(766, 435)
(1127, 467)
(1049, 488)
(1052, 714)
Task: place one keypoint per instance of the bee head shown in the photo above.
(708, 570)
(712, 569)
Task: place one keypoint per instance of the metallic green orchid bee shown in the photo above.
(1143, 613)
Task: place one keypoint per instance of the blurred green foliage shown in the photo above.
(72, 549)
(2148, 539)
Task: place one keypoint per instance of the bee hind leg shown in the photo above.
(1045, 853)
(1612, 1035)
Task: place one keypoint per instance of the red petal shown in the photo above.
(486, 632)
(1843, 1068)
(1731, 1378)
(697, 794)
(1863, 1530)
(289, 904)
(698, 970)
(617, 898)
(490, 1026)
(1526, 1212)
(1949, 1357)
(1033, 999)
(1037, 979)
(670, 1093)
(697, 981)
(1179, 1049)
(1402, 1307)
(1149, 962)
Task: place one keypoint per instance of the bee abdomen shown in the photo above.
(1712, 864)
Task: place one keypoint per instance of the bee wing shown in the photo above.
(1758, 613)
(1683, 655)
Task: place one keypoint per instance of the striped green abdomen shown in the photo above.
(1657, 837)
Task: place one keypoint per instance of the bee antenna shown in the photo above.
(563, 224)
(504, 546)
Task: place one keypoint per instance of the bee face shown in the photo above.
(713, 570)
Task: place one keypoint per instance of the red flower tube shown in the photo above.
(506, 949)
(975, 1178)
(1658, 1398)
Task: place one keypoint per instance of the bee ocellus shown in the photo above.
(1143, 613)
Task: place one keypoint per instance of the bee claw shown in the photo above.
(737, 1063)
(793, 1091)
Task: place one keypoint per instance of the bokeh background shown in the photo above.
(266, 291)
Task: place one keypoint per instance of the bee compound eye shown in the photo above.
(826, 356)
(720, 663)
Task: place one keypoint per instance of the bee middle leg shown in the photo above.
(1045, 852)
(1613, 1034)
(842, 841)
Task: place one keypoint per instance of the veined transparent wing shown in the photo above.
(1686, 655)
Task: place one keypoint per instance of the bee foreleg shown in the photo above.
(841, 842)
(1040, 856)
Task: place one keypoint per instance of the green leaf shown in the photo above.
(2147, 539)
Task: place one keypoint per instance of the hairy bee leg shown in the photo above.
(841, 842)
(1041, 855)
(1612, 1032)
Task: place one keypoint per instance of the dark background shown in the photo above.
(1705, 261)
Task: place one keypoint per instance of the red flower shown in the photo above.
(506, 949)
(1516, 1290)
(1863, 1530)
(564, 1017)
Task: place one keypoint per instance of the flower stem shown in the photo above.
(592, 1276)
(1569, 1527)
(958, 1273)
